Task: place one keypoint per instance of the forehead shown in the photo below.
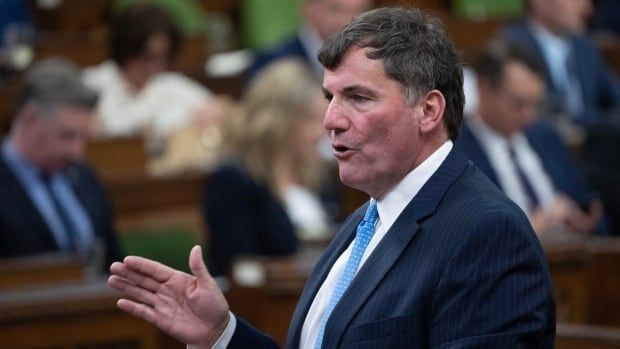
(68, 116)
(357, 70)
(518, 76)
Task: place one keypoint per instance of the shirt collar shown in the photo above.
(17, 161)
(311, 42)
(391, 205)
(548, 40)
(484, 133)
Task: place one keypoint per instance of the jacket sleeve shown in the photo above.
(495, 291)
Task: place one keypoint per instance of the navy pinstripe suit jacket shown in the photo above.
(460, 268)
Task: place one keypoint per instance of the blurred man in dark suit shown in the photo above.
(50, 200)
(577, 79)
(321, 18)
(583, 95)
(521, 153)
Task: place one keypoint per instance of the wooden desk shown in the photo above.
(39, 269)
(265, 291)
(568, 264)
(81, 315)
(604, 279)
(570, 336)
(140, 201)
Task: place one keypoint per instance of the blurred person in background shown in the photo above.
(320, 19)
(261, 198)
(583, 95)
(577, 80)
(521, 154)
(138, 95)
(51, 201)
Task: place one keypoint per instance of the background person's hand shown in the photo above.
(190, 308)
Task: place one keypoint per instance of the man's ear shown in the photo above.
(433, 107)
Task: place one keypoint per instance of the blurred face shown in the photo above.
(153, 61)
(327, 16)
(58, 139)
(374, 132)
(563, 17)
(515, 103)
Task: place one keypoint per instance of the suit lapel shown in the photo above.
(387, 253)
(21, 202)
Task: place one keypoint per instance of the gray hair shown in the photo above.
(415, 50)
(54, 81)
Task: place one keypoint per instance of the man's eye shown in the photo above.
(359, 98)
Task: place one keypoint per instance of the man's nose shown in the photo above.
(335, 119)
(77, 149)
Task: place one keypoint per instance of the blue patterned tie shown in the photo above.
(60, 210)
(365, 231)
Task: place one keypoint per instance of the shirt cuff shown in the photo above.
(226, 336)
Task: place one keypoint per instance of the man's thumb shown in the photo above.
(197, 265)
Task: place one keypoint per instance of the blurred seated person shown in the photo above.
(137, 93)
(50, 200)
(521, 154)
(577, 80)
(260, 200)
(320, 19)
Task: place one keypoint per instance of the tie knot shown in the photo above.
(371, 213)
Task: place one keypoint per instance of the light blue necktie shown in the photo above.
(365, 231)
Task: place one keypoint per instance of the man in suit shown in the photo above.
(583, 95)
(320, 19)
(50, 201)
(438, 258)
(521, 154)
(578, 82)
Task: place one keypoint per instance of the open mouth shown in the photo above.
(340, 149)
(341, 152)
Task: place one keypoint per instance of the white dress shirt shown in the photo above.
(555, 50)
(169, 101)
(496, 147)
(311, 42)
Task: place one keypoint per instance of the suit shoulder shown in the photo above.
(473, 196)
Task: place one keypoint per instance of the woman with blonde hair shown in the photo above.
(260, 198)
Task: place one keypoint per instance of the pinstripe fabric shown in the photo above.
(460, 268)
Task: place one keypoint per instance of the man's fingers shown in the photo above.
(134, 277)
(136, 309)
(138, 293)
(152, 269)
(198, 267)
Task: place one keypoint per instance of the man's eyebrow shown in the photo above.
(357, 89)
